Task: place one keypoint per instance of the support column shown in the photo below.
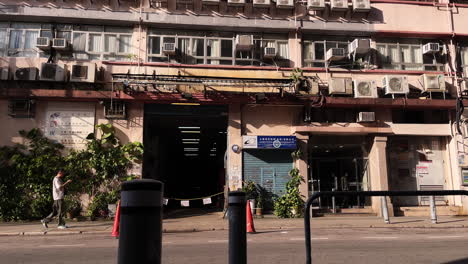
(303, 163)
(234, 160)
(295, 48)
(379, 173)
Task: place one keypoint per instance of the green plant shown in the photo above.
(296, 75)
(291, 204)
(296, 154)
(98, 206)
(30, 168)
(264, 197)
(250, 190)
(73, 205)
(104, 162)
(27, 170)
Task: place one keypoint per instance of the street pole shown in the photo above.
(141, 222)
(433, 209)
(383, 200)
(237, 228)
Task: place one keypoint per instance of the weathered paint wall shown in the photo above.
(269, 120)
(11, 126)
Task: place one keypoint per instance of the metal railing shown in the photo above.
(361, 194)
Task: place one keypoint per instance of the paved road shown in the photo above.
(384, 245)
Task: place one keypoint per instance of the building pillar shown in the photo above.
(234, 160)
(302, 164)
(295, 45)
(379, 172)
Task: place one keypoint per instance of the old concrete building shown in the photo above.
(211, 88)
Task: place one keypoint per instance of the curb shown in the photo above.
(193, 230)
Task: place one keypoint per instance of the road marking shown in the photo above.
(380, 237)
(217, 241)
(303, 239)
(284, 232)
(297, 239)
(436, 237)
(73, 245)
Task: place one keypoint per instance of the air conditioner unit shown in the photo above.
(244, 42)
(309, 87)
(431, 48)
(26, 74)
(4, 74)
(60, 43)
(359, 46)
(433, 82)
(52, 72)
(316, 4)
(394, 84)
(269, 52)
(261, 2)
(43, 43)
(169, 48)
(83, 72)
(21, 108)
(335, 54)
(343, 86)
(361, 5)
(236, 2)
(365, 89)
(339, 5)
(364, 117)
(115, 110)
(285, 3)
(464, 86)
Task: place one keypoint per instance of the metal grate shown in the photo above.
(23, 108)
(115, 110)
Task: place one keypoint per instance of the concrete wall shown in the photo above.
(269, 120)
(11, 126)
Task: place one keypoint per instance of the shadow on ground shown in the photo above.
(188, 212)
(459, 261)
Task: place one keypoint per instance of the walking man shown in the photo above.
(58, 193)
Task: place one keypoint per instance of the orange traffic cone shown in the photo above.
(115, 229)
(250, 223)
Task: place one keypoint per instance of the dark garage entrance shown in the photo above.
(185, 147)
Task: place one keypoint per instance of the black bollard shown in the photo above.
(141, 222)
(237, 228)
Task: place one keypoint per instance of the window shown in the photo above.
(98, 43)
(407, 55)
(88, 42)
(255, 57)
(21, 39)
(214, 48)
(464, 60)
(192, 49)
(314, 51)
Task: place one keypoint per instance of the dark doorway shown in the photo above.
(338, 164)
(184, 148)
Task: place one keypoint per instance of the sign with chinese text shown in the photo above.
(71, 125)
(269, 142)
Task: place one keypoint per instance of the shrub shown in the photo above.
(291, 204)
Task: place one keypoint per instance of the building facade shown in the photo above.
(222, 91)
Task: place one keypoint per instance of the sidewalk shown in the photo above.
(214, 221)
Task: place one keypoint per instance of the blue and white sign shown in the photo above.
(269, 142)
